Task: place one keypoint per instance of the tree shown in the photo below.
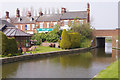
(65, 40)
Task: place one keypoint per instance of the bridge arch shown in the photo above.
(100, 35)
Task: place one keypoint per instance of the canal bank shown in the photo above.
(40, 55)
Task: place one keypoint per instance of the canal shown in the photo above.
(79, 65)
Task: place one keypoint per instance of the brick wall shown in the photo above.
(103, 33)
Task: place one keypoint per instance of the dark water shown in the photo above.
(80, 65)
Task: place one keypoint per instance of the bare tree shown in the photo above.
(53, 10)
(32, 10)
(35, 12)
(58, 11)
(40, 9)
(45, 11)
(49, 11)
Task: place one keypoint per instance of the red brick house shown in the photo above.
(46, 22)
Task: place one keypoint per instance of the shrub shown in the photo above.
(12, 48)
(9, 45)
(52, 37)
(4, 45)
(75, 40)
(65, 40)
(85, 43)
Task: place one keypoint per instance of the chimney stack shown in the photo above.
(88, 12)
(40, 13)
(29, 14)
(63, 10)
(7, 15)
(17, 13)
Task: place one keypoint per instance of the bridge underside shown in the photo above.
(100, 42)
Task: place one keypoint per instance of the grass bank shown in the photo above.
(110, 72)
(42, 49)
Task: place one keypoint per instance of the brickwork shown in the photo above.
(105, 33)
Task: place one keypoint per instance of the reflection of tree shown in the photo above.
(8, 69)
(81, 60)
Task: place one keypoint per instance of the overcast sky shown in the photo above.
(104, 13)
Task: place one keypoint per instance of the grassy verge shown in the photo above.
(110, 72)
(41, 49)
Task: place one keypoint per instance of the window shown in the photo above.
(41, 25)
(21, 27)
(28, 26)
(55, 23)
(81, 21)
(65, 22)
(16, 26)
(33, 26)
(47, 25)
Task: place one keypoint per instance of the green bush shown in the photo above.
(65, 40)
(51, 37)
(12, 48)
(75, 40)
(85, 43)
(4, 43)
(9, 45)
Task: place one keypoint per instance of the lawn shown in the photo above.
(42, 49)
(110, 72)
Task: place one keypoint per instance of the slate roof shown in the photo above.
(15, 32)
(4, 23)
(73, 15)
(49, 17)
(23, 20)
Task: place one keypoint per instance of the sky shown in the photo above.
(103, 13)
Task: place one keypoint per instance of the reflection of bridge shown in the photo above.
(100, 35)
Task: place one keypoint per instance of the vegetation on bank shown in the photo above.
(9, 46)
(42, 49)
(111, 71)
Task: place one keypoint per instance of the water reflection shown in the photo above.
(80, 65)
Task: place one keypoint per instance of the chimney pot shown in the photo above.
(40, 13)
(7, 15)
(17, 13)
(63, 10)
(29, 14)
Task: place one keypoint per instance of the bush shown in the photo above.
(75, 40)
(51, 37)
(12, 48)
(65, 40)
(9, 45)
(85, 43)
(4, 43)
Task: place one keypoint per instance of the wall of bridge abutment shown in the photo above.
(114, 34)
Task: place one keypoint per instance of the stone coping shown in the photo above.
(40, 55)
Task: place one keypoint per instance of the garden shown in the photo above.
(79, 36)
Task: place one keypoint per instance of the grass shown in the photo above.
(42, 49)
(110, 72)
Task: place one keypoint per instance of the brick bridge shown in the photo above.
(100, 35)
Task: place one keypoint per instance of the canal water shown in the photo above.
(80, 65)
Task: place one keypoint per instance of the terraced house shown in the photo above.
(46, 22)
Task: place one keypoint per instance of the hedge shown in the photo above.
(75, 40)
(9, 45)
(69, 40)
(65, 42)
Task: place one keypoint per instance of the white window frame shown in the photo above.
(21, 27)
(65, 22)
(54, 23)
(81, 21)
(33, 26)
(16, 26)
(41, 25)
(28, 26)
(47, 25)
